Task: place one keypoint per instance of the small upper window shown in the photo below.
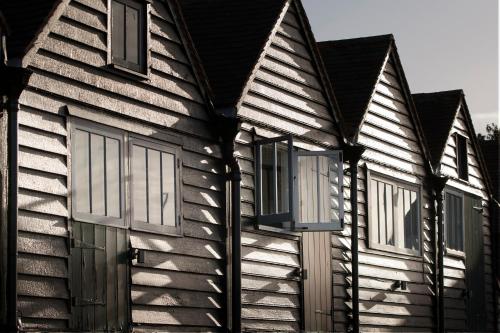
(454, 221)
(461, 151)
(97, 175)
(394, 214)
(298, 190)
(128, 34)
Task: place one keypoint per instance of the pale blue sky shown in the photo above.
(443, 44)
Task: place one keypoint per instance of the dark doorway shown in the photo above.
(474, 264)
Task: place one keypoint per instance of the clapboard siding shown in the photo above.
(182, 280)
(393, 148)
(475, 186)
(285, 96)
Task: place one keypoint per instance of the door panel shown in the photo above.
(317, 283)
(98, 278)
(474, 262)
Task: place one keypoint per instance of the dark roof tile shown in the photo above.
(353, 66)
(229, 36)
(437, 112)
(25, 18)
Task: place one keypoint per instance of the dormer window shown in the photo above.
(461, 151)
(128, 35)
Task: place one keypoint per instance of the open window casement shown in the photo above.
(298, 190)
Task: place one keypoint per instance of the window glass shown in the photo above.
(394, 215)
(462, 163)
(96, 174)
(454, 221)
(267, 171)
(318, 188)
(274, 178)
(153, 186)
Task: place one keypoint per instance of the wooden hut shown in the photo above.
(262, 63)
(468, 299)
(396, 249)
(120, 218)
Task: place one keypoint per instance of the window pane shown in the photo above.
(113, 190)
(373, 210)
(168, 189)
(97, 174)
(154, 187)
(334, 189)
(81, 170)
(382, 214)
(118, 30)
(462, 163)
(139, 183)
(454, 221)
(389, 214)
(307, 173)
(267, 187)
(132, 35)
(282, 178)
(415, 234)
(324, 199)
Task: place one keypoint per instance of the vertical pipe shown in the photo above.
(440, 251)
(236, 245)
(12, 142)
(438, 183)
(353, 155)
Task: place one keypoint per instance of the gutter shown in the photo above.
(353, 153)
(14, 80)
(438, 183)
(228, 129)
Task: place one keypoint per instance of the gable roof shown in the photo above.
(354, 66)
(229, 36)
(25, 19)
(437, 111)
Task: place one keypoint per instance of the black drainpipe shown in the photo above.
(14, 80)
(229, 128)
(352, 153)
(438, 184)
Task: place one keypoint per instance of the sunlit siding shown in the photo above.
(455, 267)
(393, 148)
(181, 282)
(286, 96)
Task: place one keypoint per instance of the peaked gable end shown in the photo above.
(448, 162)
(287, 89)
(389, 128)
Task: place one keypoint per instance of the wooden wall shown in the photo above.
(393, 149)
(285, 96)
(455, 283)
(181, 282)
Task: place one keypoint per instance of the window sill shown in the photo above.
(376, 248)
(454, 253)
(107, 222)
(165, 232)
(126, 72)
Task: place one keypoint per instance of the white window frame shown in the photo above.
(449, 250)
(166, 148)
(372, 227)
(105, 131)
(288, 220)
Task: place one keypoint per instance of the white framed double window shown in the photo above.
(393, 214)
(109, 165)
(454, 221)
(298, 190)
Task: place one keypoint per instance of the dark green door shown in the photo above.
(99, 301)
(474, 263)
